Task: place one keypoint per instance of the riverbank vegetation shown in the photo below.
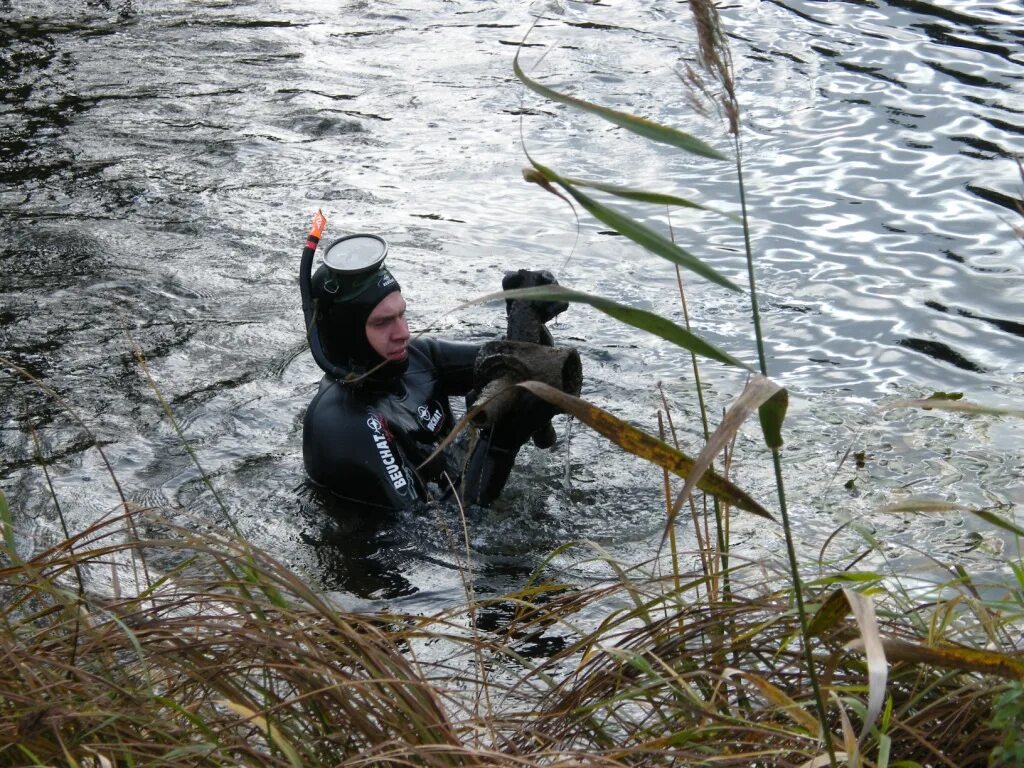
(139, 641)
(227, 658)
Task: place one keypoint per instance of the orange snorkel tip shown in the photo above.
(319, 224)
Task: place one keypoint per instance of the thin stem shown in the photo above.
(666, 482)
(176, 426)
(136, 552)
(71, 549)
(723, 537)
(777, 465)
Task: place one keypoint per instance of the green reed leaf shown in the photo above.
(643, 196)
(638, 318)
(1018, 572)
(639, 604)
(925, 505)
(847, 577)
(640, 444)
(638, 125)
(999, 522)
(772, 414)
(639, 233)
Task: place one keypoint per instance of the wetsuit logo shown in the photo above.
(387, 458)
(431, 421)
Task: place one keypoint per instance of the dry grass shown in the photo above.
(229, 659)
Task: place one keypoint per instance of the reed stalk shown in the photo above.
(780, 485)
(716, 59)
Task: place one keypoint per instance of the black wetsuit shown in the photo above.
(364, 442)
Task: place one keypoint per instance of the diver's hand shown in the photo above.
(502, 364)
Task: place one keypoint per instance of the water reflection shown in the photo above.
(158, 165)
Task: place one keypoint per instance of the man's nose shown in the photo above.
(401, 329)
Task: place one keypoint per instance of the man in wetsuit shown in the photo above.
(366, 434)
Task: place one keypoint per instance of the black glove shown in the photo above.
(526, 322)
(501, 364)
(515, 415)
(526, 318)
(489, 466)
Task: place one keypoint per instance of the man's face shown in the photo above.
(386, 329)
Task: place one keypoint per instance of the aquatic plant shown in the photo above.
(711, 89)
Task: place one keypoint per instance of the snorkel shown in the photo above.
(348, 263)
(306, 289)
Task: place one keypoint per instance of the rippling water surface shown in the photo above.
(161, 162)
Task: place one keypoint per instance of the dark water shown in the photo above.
(160, 163)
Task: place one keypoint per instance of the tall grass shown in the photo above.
(230, 659)
(222, 656)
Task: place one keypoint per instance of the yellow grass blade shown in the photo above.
(961, 406)
(639, 443)
(268, 728)
(956, 657)
(776, 696)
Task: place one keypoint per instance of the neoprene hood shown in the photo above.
(342, 308)
(339, 297)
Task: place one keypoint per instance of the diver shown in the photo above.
(382, 408)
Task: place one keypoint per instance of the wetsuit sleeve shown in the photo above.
(351, 453)
(453, 361)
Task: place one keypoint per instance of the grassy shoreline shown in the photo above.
(232, 660)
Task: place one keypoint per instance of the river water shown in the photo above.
(161, 162)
